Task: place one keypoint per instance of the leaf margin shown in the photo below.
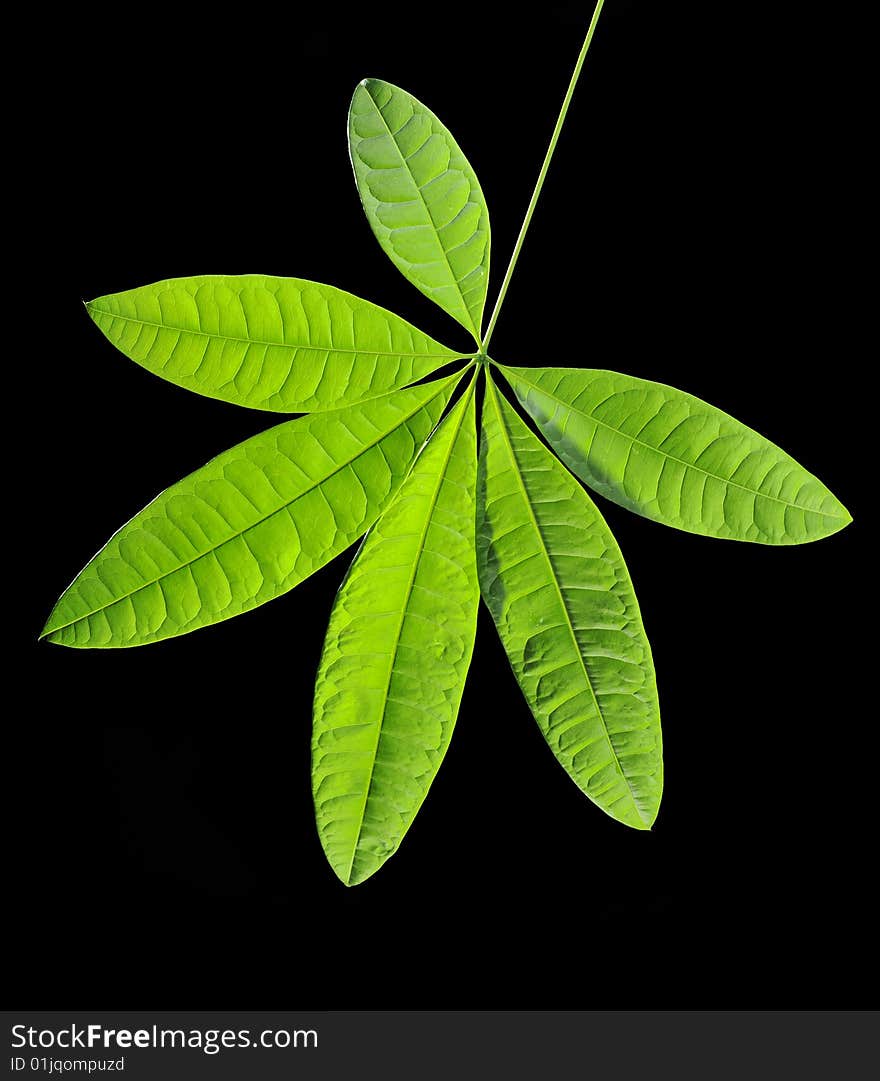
(472, 324)
(579, 464)
(117, 315)
(442, 390)
(465, 407)
(639, 819)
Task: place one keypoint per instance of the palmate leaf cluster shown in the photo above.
(388, 451)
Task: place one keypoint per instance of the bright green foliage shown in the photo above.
(666, 454)
(396, 656)
(421, 198)
(250, 524)
(557, 587)
(283, 344)
(376, 453)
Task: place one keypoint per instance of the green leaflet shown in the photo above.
(396, 656)
(671, 457)
(422, 199)
(281, 344)
(557, 587)
(250, 524)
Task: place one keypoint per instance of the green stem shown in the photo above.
(484, 345)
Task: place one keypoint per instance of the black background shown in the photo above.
(696, 228)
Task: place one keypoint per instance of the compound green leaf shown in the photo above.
(281, 344)
(422, 199)
(561, 597)
(671, 457)
(396, 656)
(249, 525)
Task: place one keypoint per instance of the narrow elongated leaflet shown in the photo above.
(560, 594)
(396, 655)
(282, 344)
(422, 199)
(671, 457)
(250, 524)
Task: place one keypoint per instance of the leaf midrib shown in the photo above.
(673, 458)
(282, 345)
(247, 529)
(403, 612)
(472, 328)
(562, 603)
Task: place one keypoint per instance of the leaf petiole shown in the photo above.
(554, 138)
